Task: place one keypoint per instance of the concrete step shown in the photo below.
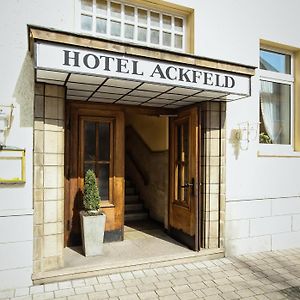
(136, 216)
(134, 207)
(132, 199)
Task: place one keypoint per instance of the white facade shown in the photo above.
(262, 185)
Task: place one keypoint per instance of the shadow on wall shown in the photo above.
(24, 92)
(235, 142)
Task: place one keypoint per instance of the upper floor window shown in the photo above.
(276, 95)
(130, 23)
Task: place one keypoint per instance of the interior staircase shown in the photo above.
(134, 207)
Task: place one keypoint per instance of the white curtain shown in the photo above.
(270, 110)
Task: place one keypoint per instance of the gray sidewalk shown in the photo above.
(268, 275)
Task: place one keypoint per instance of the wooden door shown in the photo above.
(95, 141)
(183, 201)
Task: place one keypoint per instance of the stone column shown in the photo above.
(48, 176)
(212, 118)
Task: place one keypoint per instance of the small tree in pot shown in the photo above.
(92, 220)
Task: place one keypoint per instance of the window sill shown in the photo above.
(265, 150)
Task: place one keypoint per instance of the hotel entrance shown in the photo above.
(147, 180)
(149, 123)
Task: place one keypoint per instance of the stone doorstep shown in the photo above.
(64, 274)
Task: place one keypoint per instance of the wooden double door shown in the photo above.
(95, 140)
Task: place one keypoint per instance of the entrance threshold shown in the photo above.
(99, 269)
(144, 247)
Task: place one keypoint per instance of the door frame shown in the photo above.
(115, 212)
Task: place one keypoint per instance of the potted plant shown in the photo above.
(92, 219)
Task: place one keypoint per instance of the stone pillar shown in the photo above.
(212, 118)
(48, 177)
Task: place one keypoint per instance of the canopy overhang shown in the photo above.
(97, 70)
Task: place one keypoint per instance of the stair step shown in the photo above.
(136, 216)
(134, 207)
(130, 191)
(132, 199)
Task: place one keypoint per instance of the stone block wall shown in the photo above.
(48, 177)
(212, 173)
(262, 225)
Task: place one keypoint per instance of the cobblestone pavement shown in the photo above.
(267, 275)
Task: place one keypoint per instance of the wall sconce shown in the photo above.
(6, 113)
(245, 133)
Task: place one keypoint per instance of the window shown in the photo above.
(276, 95)
(130, 23)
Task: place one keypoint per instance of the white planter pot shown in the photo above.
(92, 232)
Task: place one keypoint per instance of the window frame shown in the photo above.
(79, 12)
(281, 78)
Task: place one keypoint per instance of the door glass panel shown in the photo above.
(104, 141)
(89, 166)
(103, 180)
(89, 141)
(97, 154)
(182, 165)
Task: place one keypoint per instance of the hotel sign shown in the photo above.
(70, 59)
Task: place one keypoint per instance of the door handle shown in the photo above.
(190, 185)
(187, 185)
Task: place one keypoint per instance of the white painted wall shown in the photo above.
(17, 86)
(263, 194)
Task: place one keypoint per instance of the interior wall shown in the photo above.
(153, 130)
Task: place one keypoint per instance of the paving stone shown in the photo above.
(146, 287)
(148, 295)
(78, 283)
(211, 291)
(91, 281)
(182, 289)
(230, 296)
(138, 274)
(28, 297)
(163, 284)
(118, 284)
(78, 297)
(127, 275)
(115, 277)
(98, 295)
(103, 287)
(187, 296)
(50, 287)
(64, 293)
(129, 297)
(65, 285)
(165, 292)
(43, 296)
(103, 279)
(132, 290)
(132, 282)
(21, 292)
(37, 289)
(84, 290)
(117, 292)
(169, 297)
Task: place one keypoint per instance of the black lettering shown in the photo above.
(218, 81)
(229, 82)
(68, 58)
(184, 74)
(87, 62)
(107, 62)
(196, 75)
(122, 65)
(135, 68)
(158, 70)
(168, 70)
(208, 78)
